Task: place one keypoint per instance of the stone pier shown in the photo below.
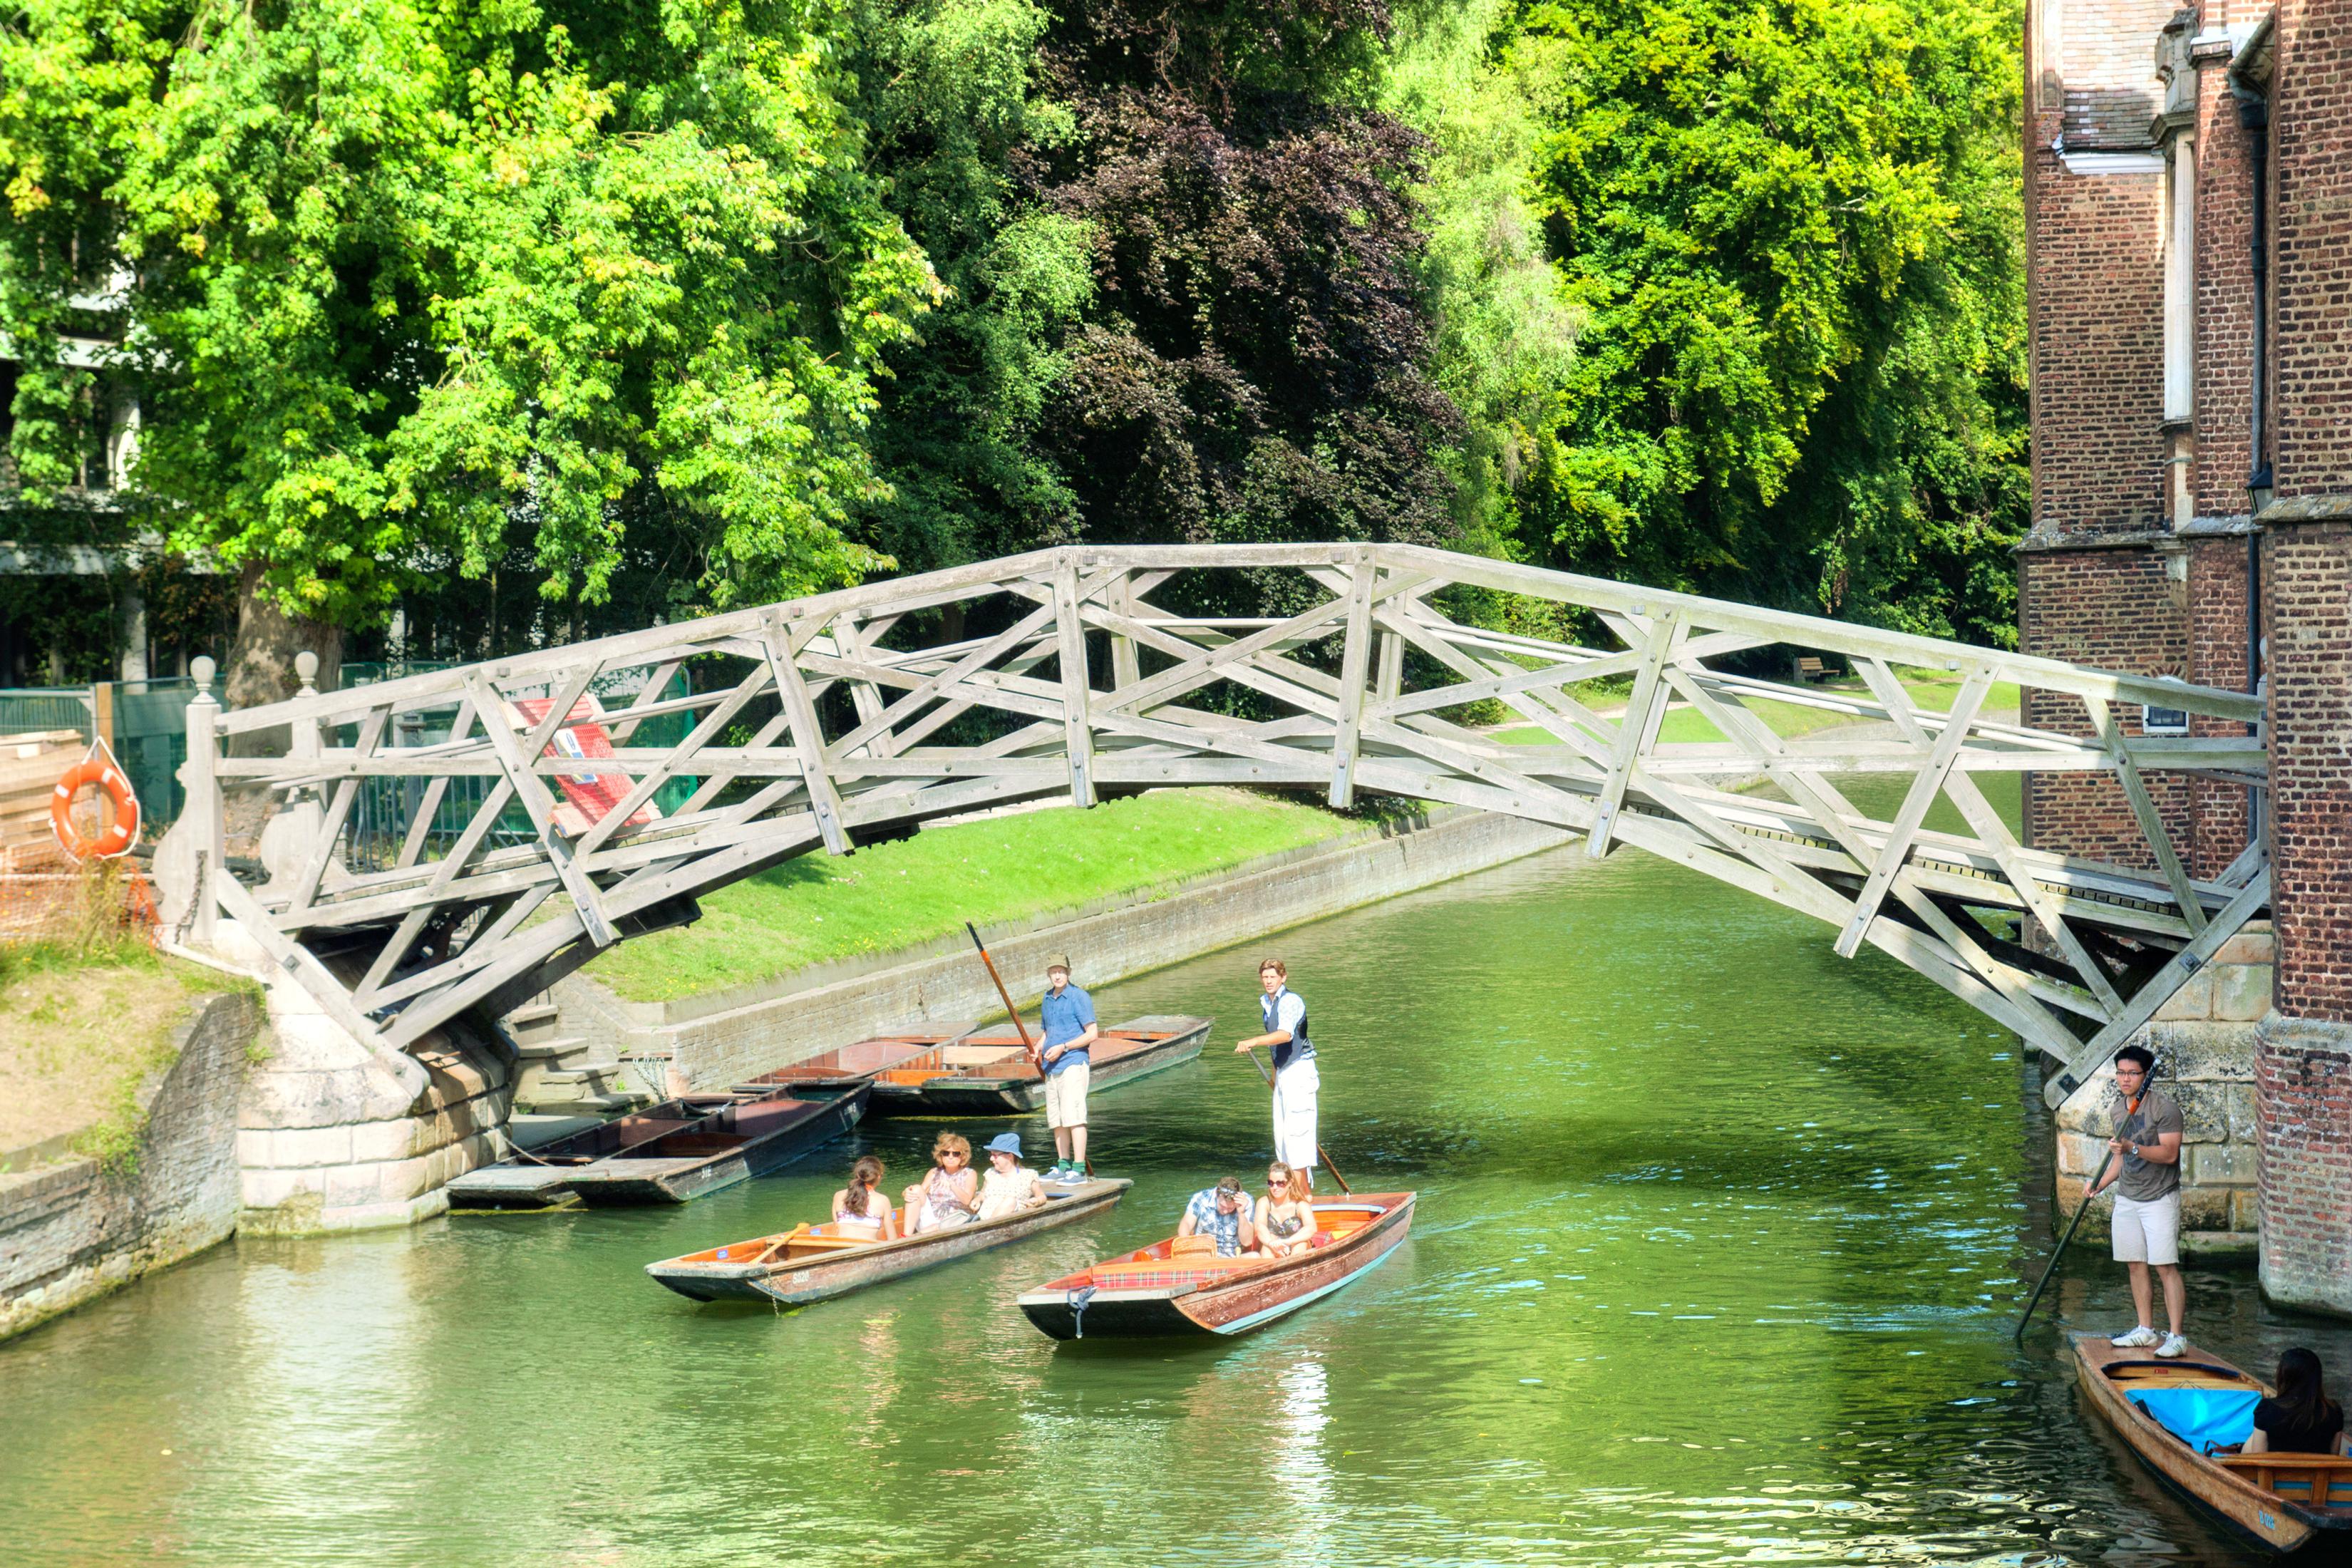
(2206, 1042)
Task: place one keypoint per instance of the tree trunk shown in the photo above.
(261, 659)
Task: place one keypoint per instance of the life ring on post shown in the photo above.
(103, 773)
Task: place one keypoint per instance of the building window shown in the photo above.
(2164, 721)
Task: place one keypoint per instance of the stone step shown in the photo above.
(532, 1022)
(586, 1072)
(550, 1049)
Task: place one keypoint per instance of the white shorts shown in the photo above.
(1295, 1090)
(1065, 1095)
(2147, 1232)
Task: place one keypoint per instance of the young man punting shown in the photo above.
(1295, 1081)
(1066, 1016)
(2146, 1178)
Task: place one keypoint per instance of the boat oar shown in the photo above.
(1018, 1028)
(2131, 1108)
(1319, 1152)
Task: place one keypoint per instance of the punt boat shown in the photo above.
(816, 1262)
(748, 1137)
(2172, 1413)
(833, 1071)
(1166, 1288)
(988, 1073)
(535, 1178)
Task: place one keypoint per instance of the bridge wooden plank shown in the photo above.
(684, 754)
(537, 802)
(1077, 724)
(2160, 989)
(1961, 790)
(808, 739)
(2151, 822)
(1640, 709)
(322, 849)
(1935, 768)
(1355, 663)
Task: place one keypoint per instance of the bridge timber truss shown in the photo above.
(845, 716)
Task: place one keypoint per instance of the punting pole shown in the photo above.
(2131, 1108)
(1006, 997)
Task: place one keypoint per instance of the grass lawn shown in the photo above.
(78, 1031)
(1931, 690)
(913, 891)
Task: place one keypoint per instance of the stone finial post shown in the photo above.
(303, 740)
(203, 806)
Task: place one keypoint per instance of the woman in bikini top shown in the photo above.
(1285, 1217)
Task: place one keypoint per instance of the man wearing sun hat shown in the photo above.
(1065, 1016)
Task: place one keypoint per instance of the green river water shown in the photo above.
(1718, 1245)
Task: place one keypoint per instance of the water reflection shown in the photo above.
(1718, 1243)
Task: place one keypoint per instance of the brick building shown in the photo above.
(2189, 208)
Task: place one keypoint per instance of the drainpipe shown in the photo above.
(2254, 116)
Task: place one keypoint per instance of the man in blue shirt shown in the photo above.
(1066, 1016)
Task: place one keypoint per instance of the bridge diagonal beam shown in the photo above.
(1995, 834)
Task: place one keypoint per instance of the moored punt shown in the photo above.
(749, 1138)
(1156, 1292)
(2169, 1410)
(831, 1072)
(535, 1178)
(815, 1263)
(988, 1073)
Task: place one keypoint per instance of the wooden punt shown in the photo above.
(2283, 1502)
(987, 1073)
(535, 1178)
(747, 1138)
(814, 1263)
(835, 1071)
(1152, 1292)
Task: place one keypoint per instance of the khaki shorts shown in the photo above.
(2147, 1232)
(1065, 1096)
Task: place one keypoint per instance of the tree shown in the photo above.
(1785, 237)
(404, 282)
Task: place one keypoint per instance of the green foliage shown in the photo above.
(1786, 236)
(406, 279)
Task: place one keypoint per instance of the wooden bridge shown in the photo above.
(829, 719)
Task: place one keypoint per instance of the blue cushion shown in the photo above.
(2204, 1418)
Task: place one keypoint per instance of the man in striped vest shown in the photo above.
(1295, 1081)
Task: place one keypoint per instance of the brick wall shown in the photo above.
(2302, 1094)
(2097, 356)
(2217, 657)
(2225, 298)
(2113, 608)
(2307, 574)
(2311, 247)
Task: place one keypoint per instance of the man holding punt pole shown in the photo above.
(1295, 1081)
(1066, 1016)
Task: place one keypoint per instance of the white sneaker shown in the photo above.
(2174, 1344)
(2139, 1339)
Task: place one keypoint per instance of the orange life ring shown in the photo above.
(115, 840)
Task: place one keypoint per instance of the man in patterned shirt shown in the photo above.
(1223, 1214)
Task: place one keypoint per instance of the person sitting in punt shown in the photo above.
(2299, 1418)
(1221, 1213)
(1285, 1221)
(859, 1209)
(949, 1194)
(1010, 1186)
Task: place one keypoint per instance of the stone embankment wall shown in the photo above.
(722, 1038)
(329, 1136)
(72, 1230)
(2205, 1042)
